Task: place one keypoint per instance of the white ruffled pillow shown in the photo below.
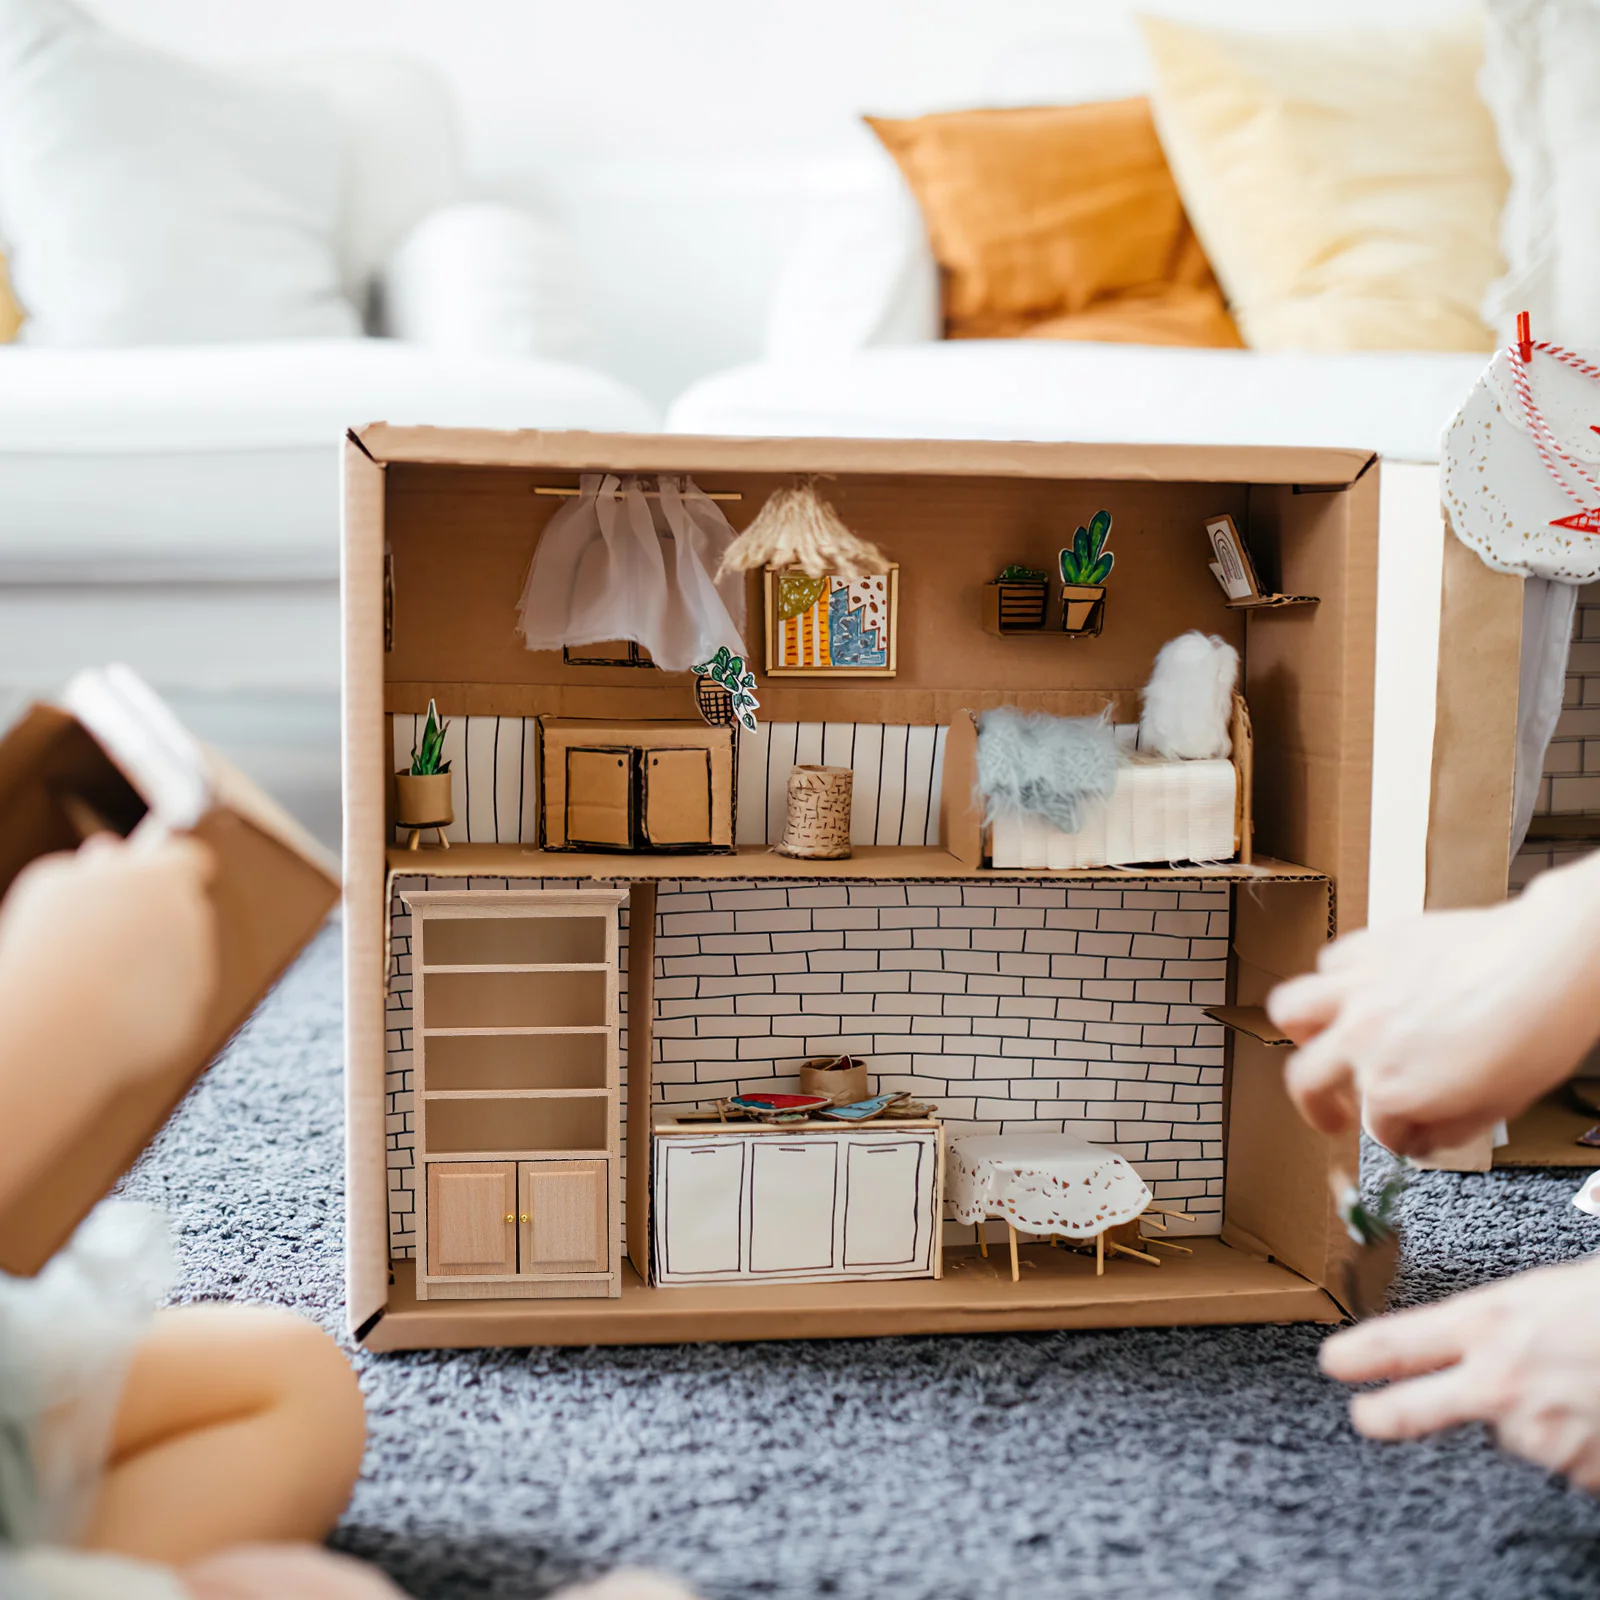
(148, 200)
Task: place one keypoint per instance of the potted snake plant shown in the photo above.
(422, 793)
(1085, 566)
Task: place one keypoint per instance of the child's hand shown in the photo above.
(285, 1572)
(1520, 1355)
(1443, 1024)
(108, 957)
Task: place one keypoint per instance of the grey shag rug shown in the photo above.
(1157, 1464)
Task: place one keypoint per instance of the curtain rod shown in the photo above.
(649, 494)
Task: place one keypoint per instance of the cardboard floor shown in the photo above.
(1546, 1135)
(1058, 1289)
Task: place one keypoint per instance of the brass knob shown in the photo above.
(511, 1216)
(526, 1217)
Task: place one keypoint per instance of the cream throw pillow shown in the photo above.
(1347, 187)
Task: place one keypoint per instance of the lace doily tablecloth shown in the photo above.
(1043, 1183)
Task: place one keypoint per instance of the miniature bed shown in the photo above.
(529, 1083)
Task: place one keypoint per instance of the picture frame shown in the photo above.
(831, 627)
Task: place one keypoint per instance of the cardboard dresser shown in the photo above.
(528, 1015)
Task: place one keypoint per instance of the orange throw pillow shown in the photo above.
(1059, 222)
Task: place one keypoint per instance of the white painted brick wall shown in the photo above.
(1027, 1007)
(1571, 781)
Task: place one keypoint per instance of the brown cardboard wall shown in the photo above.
(463, 539)
(366, 789)
(1309, 683)
(1277, 1192)
(1475, 732)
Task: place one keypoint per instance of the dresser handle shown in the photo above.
(511, 1216)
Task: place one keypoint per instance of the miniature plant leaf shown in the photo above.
(1017, 573)
(1083, 552)
(427, 753)
(1101, 570)
(1099, 532)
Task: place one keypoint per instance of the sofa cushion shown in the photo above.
(148, 200)
(1395, 404)
(221, 462)
(1346, 186)
(1058, 222)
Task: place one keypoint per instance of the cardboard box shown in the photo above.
(635, 785)
(272, 888)
(459, 511)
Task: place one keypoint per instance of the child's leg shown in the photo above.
(237, 1424)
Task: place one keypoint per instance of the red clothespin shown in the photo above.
(1524, 338)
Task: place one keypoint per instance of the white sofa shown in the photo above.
(178, 507)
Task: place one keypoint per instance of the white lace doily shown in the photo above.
(1500, 496)
(1043, 1183)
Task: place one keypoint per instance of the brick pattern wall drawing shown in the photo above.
(1030, 1005)
(898, 771)
(1571, 783)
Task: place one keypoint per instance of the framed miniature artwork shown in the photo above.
(832, 626)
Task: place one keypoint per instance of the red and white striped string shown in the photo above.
(1544, 440)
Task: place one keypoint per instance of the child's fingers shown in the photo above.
(1404, 1344)
(1418, 1406)
(1304, 1006)
(1321, 1082)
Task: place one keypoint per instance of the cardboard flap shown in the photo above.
(269, 899)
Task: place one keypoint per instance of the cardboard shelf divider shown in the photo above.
(1251, 1020)
(895, 863)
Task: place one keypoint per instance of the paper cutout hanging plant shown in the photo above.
(728, 673)
(1086, 560)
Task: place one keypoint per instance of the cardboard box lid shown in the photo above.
(272, 889)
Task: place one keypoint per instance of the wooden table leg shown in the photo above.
(1099, 1255)
(983, 1244)
(1016, 1270)
(416, 836)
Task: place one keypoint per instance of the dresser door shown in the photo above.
(792, 1191)
(887, 1202)
(699, 1200)
(472, 1219)
(600, 805)
(677, 797)
(565, 1216)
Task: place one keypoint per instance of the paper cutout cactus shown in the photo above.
(1086, 560)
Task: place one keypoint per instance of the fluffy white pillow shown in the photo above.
(1541, 68)
(147, 200)
(486, 279)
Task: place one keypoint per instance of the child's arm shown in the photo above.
(107, 964)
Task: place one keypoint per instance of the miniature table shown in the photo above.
(1046, 1183)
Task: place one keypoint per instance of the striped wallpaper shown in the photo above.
(898, 772)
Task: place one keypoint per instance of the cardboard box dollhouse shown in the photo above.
(526, 1018)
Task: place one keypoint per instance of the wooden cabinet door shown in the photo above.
(677, 797)
(792, 1184)
(699, 1199)
(887, 1191)
(566, 1216)
(472, 1220)
(600, 797)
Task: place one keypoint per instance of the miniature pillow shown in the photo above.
(1058, 222)
(1347, 187)
(148, 200)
